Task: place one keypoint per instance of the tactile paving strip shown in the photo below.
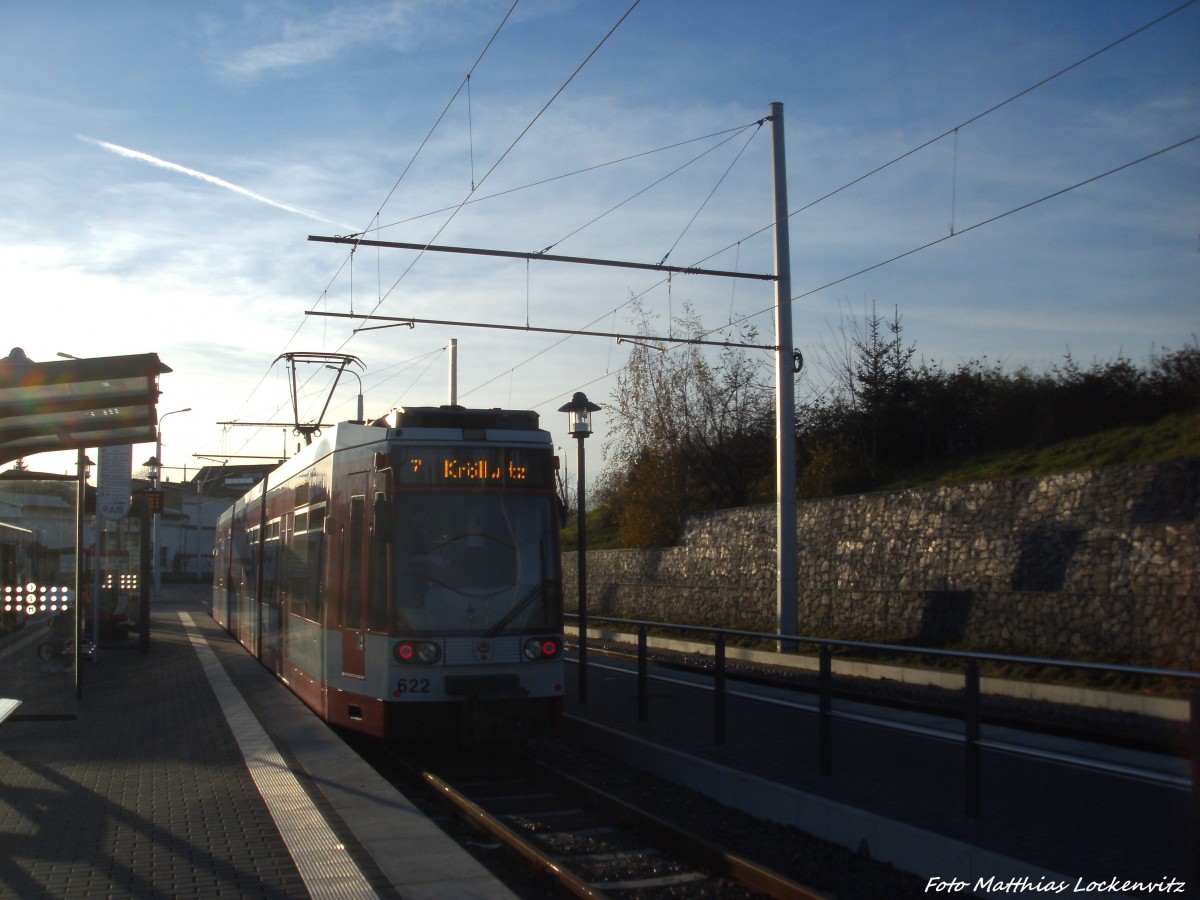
(324, 864)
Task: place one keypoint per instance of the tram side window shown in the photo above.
(241, 553)
(271, 564)
(218, 558)
(251, 562)
(352, 600)
(377, 614)
(304, 574)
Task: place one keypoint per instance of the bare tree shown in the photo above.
(689, 432)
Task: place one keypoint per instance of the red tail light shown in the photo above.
(417, 653)
(542, 648)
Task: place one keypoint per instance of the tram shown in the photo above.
(403, 578)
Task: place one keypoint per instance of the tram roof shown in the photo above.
(461, 417)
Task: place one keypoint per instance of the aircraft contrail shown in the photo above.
(211, 179)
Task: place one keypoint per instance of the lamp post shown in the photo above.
(154, 464)
(83, 466)
(579, 420)
(153, 503)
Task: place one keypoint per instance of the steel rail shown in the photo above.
(702, 853)
(705, 855)
(481, 818)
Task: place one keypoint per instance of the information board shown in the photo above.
(112, 482)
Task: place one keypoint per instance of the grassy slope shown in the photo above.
(1175, 437)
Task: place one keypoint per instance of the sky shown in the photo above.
(165, 164)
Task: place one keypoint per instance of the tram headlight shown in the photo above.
(542, 648)
(417, 653)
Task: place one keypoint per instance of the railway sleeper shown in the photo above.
(589, 842)
(613, 856)
(648, 867)
(643, 884)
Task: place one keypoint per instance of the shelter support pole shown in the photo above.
(80, 512)
(147, 576)
(785, 409)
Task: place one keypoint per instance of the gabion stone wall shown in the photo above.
(1099, 565)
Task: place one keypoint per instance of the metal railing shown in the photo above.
(971, 713)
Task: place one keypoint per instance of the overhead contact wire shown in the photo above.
(651, 185)
(980, 224)
(970, 121)
(517, 140)
(988, 221)
(388, 197)
(565, 175)
(716, 186)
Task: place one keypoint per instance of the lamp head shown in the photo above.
(579, 415)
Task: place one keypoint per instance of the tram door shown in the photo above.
(356, 579)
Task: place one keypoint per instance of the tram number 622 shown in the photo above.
(412, 686)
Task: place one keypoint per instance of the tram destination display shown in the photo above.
(491, 467)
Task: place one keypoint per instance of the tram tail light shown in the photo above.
(417, 653)
(542, 648)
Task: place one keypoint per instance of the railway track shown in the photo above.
(586, 842)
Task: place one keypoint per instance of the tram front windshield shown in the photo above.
(477, 563)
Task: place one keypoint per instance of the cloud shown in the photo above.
(211, 179)
(304, 42)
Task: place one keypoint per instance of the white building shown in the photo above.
(45, 504)
(189, 518)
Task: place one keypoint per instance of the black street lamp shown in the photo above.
(155, 467)
(579, 417)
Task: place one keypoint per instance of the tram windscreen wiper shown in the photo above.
(536, 592)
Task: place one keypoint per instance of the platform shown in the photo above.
(901, 796)
(191, 772)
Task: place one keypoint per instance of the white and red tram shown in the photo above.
(404, 578)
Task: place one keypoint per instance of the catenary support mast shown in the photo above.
(785, 409)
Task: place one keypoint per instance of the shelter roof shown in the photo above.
(76, 403)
